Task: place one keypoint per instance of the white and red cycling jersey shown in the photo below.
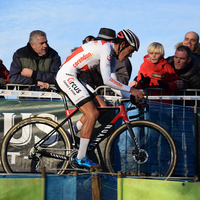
(86, 58)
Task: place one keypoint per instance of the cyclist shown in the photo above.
(85, 58)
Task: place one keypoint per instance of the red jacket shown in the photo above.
(4, 73)
(159, 71)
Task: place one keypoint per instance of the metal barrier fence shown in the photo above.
(180, 96)
(180, 120)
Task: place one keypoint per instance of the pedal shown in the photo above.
(95, 169)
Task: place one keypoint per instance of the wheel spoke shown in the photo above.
(19, 154)
(157, 155)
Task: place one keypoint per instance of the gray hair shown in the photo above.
(34, 34)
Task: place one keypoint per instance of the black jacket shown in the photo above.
(190, 74)
(44, 68)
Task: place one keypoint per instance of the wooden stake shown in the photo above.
(96, 187)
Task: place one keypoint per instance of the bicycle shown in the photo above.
(139, 147)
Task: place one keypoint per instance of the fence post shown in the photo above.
(96, 186)
(43, 182)
(119, 186)
(197, 142)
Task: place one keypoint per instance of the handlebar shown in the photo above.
(140, 104)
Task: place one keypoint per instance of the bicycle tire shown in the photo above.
(153, 138)
(18, 145)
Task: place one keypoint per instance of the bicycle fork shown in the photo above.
(139, 155)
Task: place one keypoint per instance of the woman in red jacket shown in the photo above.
(155, 72)
(4, 75)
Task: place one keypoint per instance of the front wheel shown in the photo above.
(18, 154)
(158, 155)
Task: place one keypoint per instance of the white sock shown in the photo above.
(77, 127)
(83, 148)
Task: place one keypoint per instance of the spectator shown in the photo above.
(123, 71)
(106, 34)
(4, 75)
(187, 67)
(191, 40)
(72, 50)
(88, 38)
(155, 72)
(36, 63)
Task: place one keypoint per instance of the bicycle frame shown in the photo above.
(107, 128)
(100, 136)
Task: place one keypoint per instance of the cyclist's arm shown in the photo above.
(107, 66)
(124, 94)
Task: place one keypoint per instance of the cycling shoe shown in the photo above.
(87, 163)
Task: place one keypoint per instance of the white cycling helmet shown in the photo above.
(130, 37)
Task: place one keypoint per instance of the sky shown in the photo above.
(67, 23)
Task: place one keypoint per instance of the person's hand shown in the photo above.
(163, 85)
(43, 85)
(2, 83)
(27, 72)
(141, 104)
(137, 93)
(133, 83)
(179, 84)
(144, 81)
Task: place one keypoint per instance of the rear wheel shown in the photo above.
(18, 154)
(157, 157)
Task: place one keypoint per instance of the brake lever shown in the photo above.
(141, 104)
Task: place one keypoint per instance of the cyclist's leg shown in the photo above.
(90, 115)
(80, 97)
(76, 127)
(75, 90)
(98, 101)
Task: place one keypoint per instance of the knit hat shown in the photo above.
(106, 34)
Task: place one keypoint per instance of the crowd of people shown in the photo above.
(37, 64)
(102, 60)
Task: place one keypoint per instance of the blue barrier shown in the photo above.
(179, 122)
